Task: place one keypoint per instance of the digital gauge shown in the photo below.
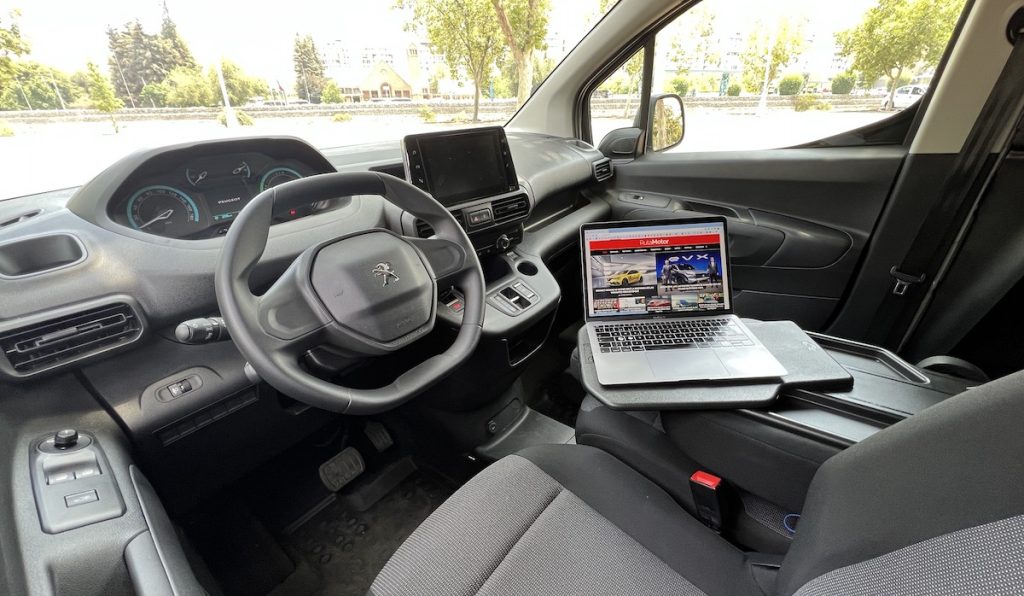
(276, 176)
(163, 210)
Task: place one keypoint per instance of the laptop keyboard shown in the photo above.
(670, 335)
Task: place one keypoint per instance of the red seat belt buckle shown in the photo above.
(704, 487)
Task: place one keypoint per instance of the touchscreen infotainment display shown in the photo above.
(460, 166)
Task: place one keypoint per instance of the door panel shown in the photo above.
(798, 218)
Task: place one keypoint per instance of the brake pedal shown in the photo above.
(378, 435)
(341, 469)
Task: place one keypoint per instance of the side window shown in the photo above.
(761, 75)
(615, 103)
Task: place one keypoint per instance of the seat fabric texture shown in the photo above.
(563, 520)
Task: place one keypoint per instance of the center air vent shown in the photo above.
(510, 208)
(62, 340)
(603, 170)
(424, 230)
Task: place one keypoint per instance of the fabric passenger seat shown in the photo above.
(933, 505)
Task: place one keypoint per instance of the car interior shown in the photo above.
(369, 372)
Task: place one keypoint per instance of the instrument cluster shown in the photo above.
(201, 197)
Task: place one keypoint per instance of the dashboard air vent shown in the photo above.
(603, 170)
(424, 230)
(72, 337)
(510, 208)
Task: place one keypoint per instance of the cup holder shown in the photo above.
(526, 268)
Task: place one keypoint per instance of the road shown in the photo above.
(49, 156)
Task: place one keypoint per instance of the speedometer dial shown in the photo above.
(163, 210)
(278, 175)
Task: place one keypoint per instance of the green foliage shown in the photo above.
(896, 36)
(803, 103)
(693, 40)
(331, 93)
(309, 69)
(679, 85)
(506, 84)
(154, 95)
(843, 83)
(101, 94)
(11, 46)
(342, 117)
(6, 130)
(523, 25)
(465, 33)
(188, 88)
(903, 81)
(241, 87)
(138, 58)
(791, 84)
(243, 118)
(38, 87)
(427, 114)
(786, 44)
(734, 90)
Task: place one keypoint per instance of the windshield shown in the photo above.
(85, 83)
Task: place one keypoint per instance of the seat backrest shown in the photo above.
(931, 505)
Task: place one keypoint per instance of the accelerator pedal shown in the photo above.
(341, 469)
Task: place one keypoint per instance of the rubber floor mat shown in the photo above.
(347, 549)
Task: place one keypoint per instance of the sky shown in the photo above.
(258, 35)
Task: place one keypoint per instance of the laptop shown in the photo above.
(659, 304)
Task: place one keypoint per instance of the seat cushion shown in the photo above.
(563, 519)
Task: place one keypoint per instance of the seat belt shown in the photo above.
(964, 187)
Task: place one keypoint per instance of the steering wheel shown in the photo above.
(368, 293)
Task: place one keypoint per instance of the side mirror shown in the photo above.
(668, 122)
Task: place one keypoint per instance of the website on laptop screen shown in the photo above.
(656, 270)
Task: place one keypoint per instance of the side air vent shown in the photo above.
(65, 339)
(603, 170)
(424, 230)
(510, 208)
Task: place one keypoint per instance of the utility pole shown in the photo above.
(305, 81)
(230, 119)
(57, 91)
(117, 62)
(23, 95)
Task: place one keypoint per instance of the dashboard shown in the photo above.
(196, 195)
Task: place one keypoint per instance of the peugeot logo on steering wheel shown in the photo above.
(385, 273)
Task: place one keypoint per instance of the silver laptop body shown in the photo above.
(658, 304)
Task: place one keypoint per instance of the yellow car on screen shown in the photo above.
(625, 278)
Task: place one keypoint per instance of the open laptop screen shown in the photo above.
(645, 269)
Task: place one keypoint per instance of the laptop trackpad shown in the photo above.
(674, 365)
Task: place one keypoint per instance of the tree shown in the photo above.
(768, 51)
(465, 33)
(241, 87)
(898, 35)
(309, 69)
(843, 83)
(331, 93)
(101, 94)
(187, 88)
(138, 58)
(176, 47)
(791, 84)
(37, 86)
(524, 25)
(11, 46)
(693, 45)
